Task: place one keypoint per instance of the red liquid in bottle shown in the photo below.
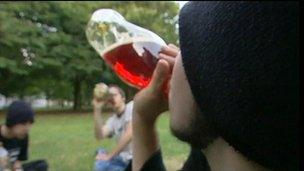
(133, 61)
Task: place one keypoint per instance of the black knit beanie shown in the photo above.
(19, 112)
(242, 63)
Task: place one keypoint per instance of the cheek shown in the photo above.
(117, 100)
(181, 111)
(22, 130)
(180, 98)
(17, 131)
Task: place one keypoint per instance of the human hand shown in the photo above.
(17, 166)
(103, 156)
(98, 103)
(150, 102)
(169, 54)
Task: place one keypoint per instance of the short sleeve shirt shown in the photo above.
(117, 125)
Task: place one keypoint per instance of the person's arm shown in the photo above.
(122, 143)
(17, 165)
(101, 131)
(23, 155)
(149, 103)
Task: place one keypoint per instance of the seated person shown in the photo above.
(15, 139)
(118, 125)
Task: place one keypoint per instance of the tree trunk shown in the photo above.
(61, 101)
(77, 94)
(21, 96)
(47, 98)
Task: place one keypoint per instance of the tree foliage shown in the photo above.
(44, 50)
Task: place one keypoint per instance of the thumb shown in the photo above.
(160, 75)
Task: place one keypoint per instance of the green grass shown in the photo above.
(67, 142)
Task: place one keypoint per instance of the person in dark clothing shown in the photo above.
(234, 89)
(15, 139)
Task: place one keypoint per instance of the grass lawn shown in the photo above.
(67, 142)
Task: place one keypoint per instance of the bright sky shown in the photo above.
(181, 3)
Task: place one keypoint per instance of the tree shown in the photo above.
(44, 48)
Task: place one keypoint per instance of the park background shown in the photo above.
(46, 60)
